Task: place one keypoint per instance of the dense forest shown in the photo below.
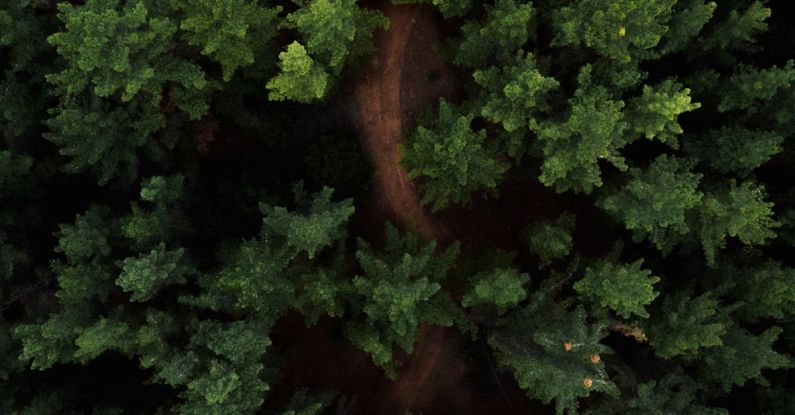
(305, 207)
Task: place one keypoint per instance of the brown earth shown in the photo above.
(407, 74)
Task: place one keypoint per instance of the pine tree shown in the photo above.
(552, 240)
(502, 288)
(398, 289)
(623, 288)
(553, 351)
(498, 38)
(742, 357)
(513, 93)
(619, 30)
(592, 129)
(685, 324)
(229, 31)
(739, 211)
(736, 149)
(451, 160)
(654, 114)
(655, 202)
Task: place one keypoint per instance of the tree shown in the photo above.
(503, 288)
(736, 149)
(655, 202)
(110, 50)
(498, 38)
(685, 324)
(552, 240)
(513, 93)
(145, 275)
(229, 31)
(448, 8)
(619, 30)
(397, 289)
(553, 351)
(654, 114)
(748, 87)
(742, 357)
(317, 224)
(623, 288)
(301, 79)
(739, 211)
(592, 129)
(451, 160)
(740, 28)
(335, 31)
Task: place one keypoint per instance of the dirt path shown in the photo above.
(398, 85)
(383, 114)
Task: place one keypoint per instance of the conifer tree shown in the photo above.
(451, 160)
(623, 288)
(498, 38)
(398, 289)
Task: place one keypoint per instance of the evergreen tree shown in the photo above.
(496, 39)
(451, 160)
(592, 129)
(512, 93)
(623, 288)
(397, 289)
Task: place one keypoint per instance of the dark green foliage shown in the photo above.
(513, 93)
(228, 31)
(619, 30)
(551, 349)
(503, 288)
(623, 288)
(734, 149)
(399, 288)
(451, 159)
(740, 212)
(592, 129)
(552, 240)
(684, 324)
(655, 201)
(153, 259)
(504, 30)
(742, 357)
(318, 223)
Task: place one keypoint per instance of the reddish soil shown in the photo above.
(407, 74)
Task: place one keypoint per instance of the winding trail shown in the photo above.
(402, 78)
(382, 113)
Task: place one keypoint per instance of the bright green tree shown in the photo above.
(301, 79)
(654, 114)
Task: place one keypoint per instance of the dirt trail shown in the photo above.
(382, 112)
(399, 84)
